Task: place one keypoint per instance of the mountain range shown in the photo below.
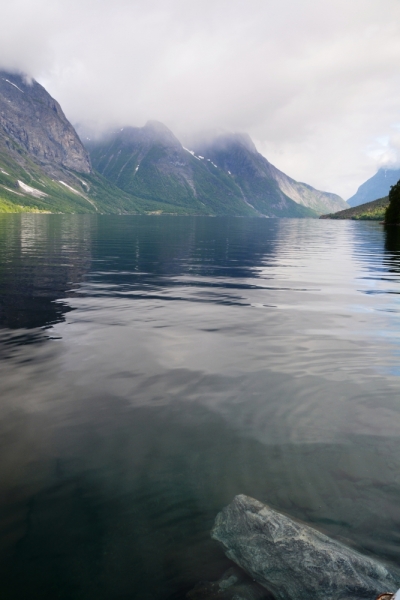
(44, 166)
(225, 175)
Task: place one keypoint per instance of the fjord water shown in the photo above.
(154, 367)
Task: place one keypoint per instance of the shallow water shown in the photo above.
(154, 367)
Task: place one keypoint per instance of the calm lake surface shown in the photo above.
(154, 367)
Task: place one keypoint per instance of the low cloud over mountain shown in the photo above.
(314, 83)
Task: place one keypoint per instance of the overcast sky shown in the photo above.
(316, 83)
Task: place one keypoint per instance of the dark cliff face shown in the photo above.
(43, 164)
(30, 117)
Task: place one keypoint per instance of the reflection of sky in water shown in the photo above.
(155, 367)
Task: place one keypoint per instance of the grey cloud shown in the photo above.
(315, 83)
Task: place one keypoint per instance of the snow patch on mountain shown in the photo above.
(11, 83)
(31, 191)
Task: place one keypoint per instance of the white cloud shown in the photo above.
(387, 152)
(316, 83)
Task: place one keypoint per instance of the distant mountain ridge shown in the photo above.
(224, 176)
(376, 186)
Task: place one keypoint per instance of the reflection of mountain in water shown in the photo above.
(166, 245)
(43, 257)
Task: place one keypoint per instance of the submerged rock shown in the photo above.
(233, 585)
(294, 561)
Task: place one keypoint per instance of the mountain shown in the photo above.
(224, 175)
(261, 183)
(377, 186)
(151, 162)
(43, 164)
(371, 211)
(35, 121)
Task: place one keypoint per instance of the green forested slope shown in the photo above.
(370, 211)
(25, 187)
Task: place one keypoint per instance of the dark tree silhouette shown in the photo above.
(392, 214)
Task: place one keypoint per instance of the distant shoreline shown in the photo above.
(370, 211)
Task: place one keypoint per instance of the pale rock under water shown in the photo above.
(295, 561)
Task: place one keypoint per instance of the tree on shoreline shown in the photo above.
(392, 215)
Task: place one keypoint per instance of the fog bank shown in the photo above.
(316, 84)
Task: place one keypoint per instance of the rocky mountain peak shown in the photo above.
(30, 117)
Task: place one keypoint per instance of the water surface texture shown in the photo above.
(154, 367)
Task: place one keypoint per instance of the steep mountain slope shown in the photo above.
(43, 164)
(371, 211)
(26, 188)
(35, 121)
(259, 179)
(376, 186)
(151, 162)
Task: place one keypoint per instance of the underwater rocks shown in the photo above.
(294, 561)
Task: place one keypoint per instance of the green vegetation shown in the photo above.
(152, 192)
(89, 194)
(9, 207)
(392, 215)
(51, 196)
(371, 211)
(182, 185)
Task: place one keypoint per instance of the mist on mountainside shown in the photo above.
(150, 162)
(314, 85)
(45, 167)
